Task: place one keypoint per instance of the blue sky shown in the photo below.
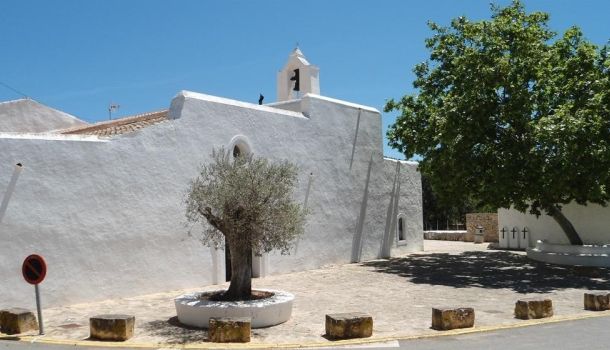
(79, 56)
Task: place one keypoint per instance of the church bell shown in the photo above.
(295, 78)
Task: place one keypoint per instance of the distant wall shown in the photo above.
(489, 222)
(445, 235)
(592, 222)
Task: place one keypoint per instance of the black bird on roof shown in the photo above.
(260, 99)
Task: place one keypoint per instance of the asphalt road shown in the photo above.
(589, 334)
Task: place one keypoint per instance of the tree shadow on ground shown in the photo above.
(175, 332)
(492, 270)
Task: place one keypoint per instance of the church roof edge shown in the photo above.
(342, 102)
(237, 103)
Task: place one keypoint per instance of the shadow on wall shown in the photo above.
(493, 270)
(357, 239)
(385, 250)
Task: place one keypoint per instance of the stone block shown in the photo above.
(229, 330)
(17, 320)
(597, 301)
(444, 319)
(349, 325)
(526, 309)
(112, 327)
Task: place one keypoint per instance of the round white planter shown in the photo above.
(195, 312)
(565, 254)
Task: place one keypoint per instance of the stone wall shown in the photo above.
(445, 235)
(489, 222)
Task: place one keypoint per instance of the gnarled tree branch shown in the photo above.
(212, 219)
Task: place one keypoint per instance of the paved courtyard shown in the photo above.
(399, 293)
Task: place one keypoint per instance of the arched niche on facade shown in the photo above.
(240, 145)
(401, 229)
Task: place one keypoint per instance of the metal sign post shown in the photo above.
(34, 270)
(39, 310)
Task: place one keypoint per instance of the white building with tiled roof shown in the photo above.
(104, 203)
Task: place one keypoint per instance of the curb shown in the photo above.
(360, 341)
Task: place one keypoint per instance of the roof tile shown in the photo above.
(119, 126)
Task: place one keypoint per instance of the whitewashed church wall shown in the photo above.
(592, 222)
(109, 216)
(106, 216)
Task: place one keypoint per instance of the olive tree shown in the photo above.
(509, 114)
(247, 202)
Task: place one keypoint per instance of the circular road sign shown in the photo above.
(34, 269)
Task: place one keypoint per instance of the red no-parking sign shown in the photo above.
(34, 269)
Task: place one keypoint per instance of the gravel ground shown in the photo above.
(399, 293)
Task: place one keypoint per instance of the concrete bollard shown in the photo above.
(349, 325)
(229, 330)
(444, 319)
(597, 301)
(533, 308)
(17, 321)
(112, 327)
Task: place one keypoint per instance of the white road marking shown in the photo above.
(388, 344)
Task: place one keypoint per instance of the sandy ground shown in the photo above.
(399, 293)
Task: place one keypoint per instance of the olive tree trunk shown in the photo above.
(565, 224)
(241, 272)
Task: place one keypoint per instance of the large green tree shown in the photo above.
(510, 114)
(248, 203)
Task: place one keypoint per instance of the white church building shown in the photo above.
(104, 203)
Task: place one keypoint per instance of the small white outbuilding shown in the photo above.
(544, 239)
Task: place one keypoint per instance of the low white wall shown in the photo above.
(197, 312)
(566, 254)
(592, 223)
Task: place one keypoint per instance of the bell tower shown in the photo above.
(297, 78)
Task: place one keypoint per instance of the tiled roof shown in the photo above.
(120, 126)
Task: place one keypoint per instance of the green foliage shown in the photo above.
(248, 201)
(509, 114)
(443, 214)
